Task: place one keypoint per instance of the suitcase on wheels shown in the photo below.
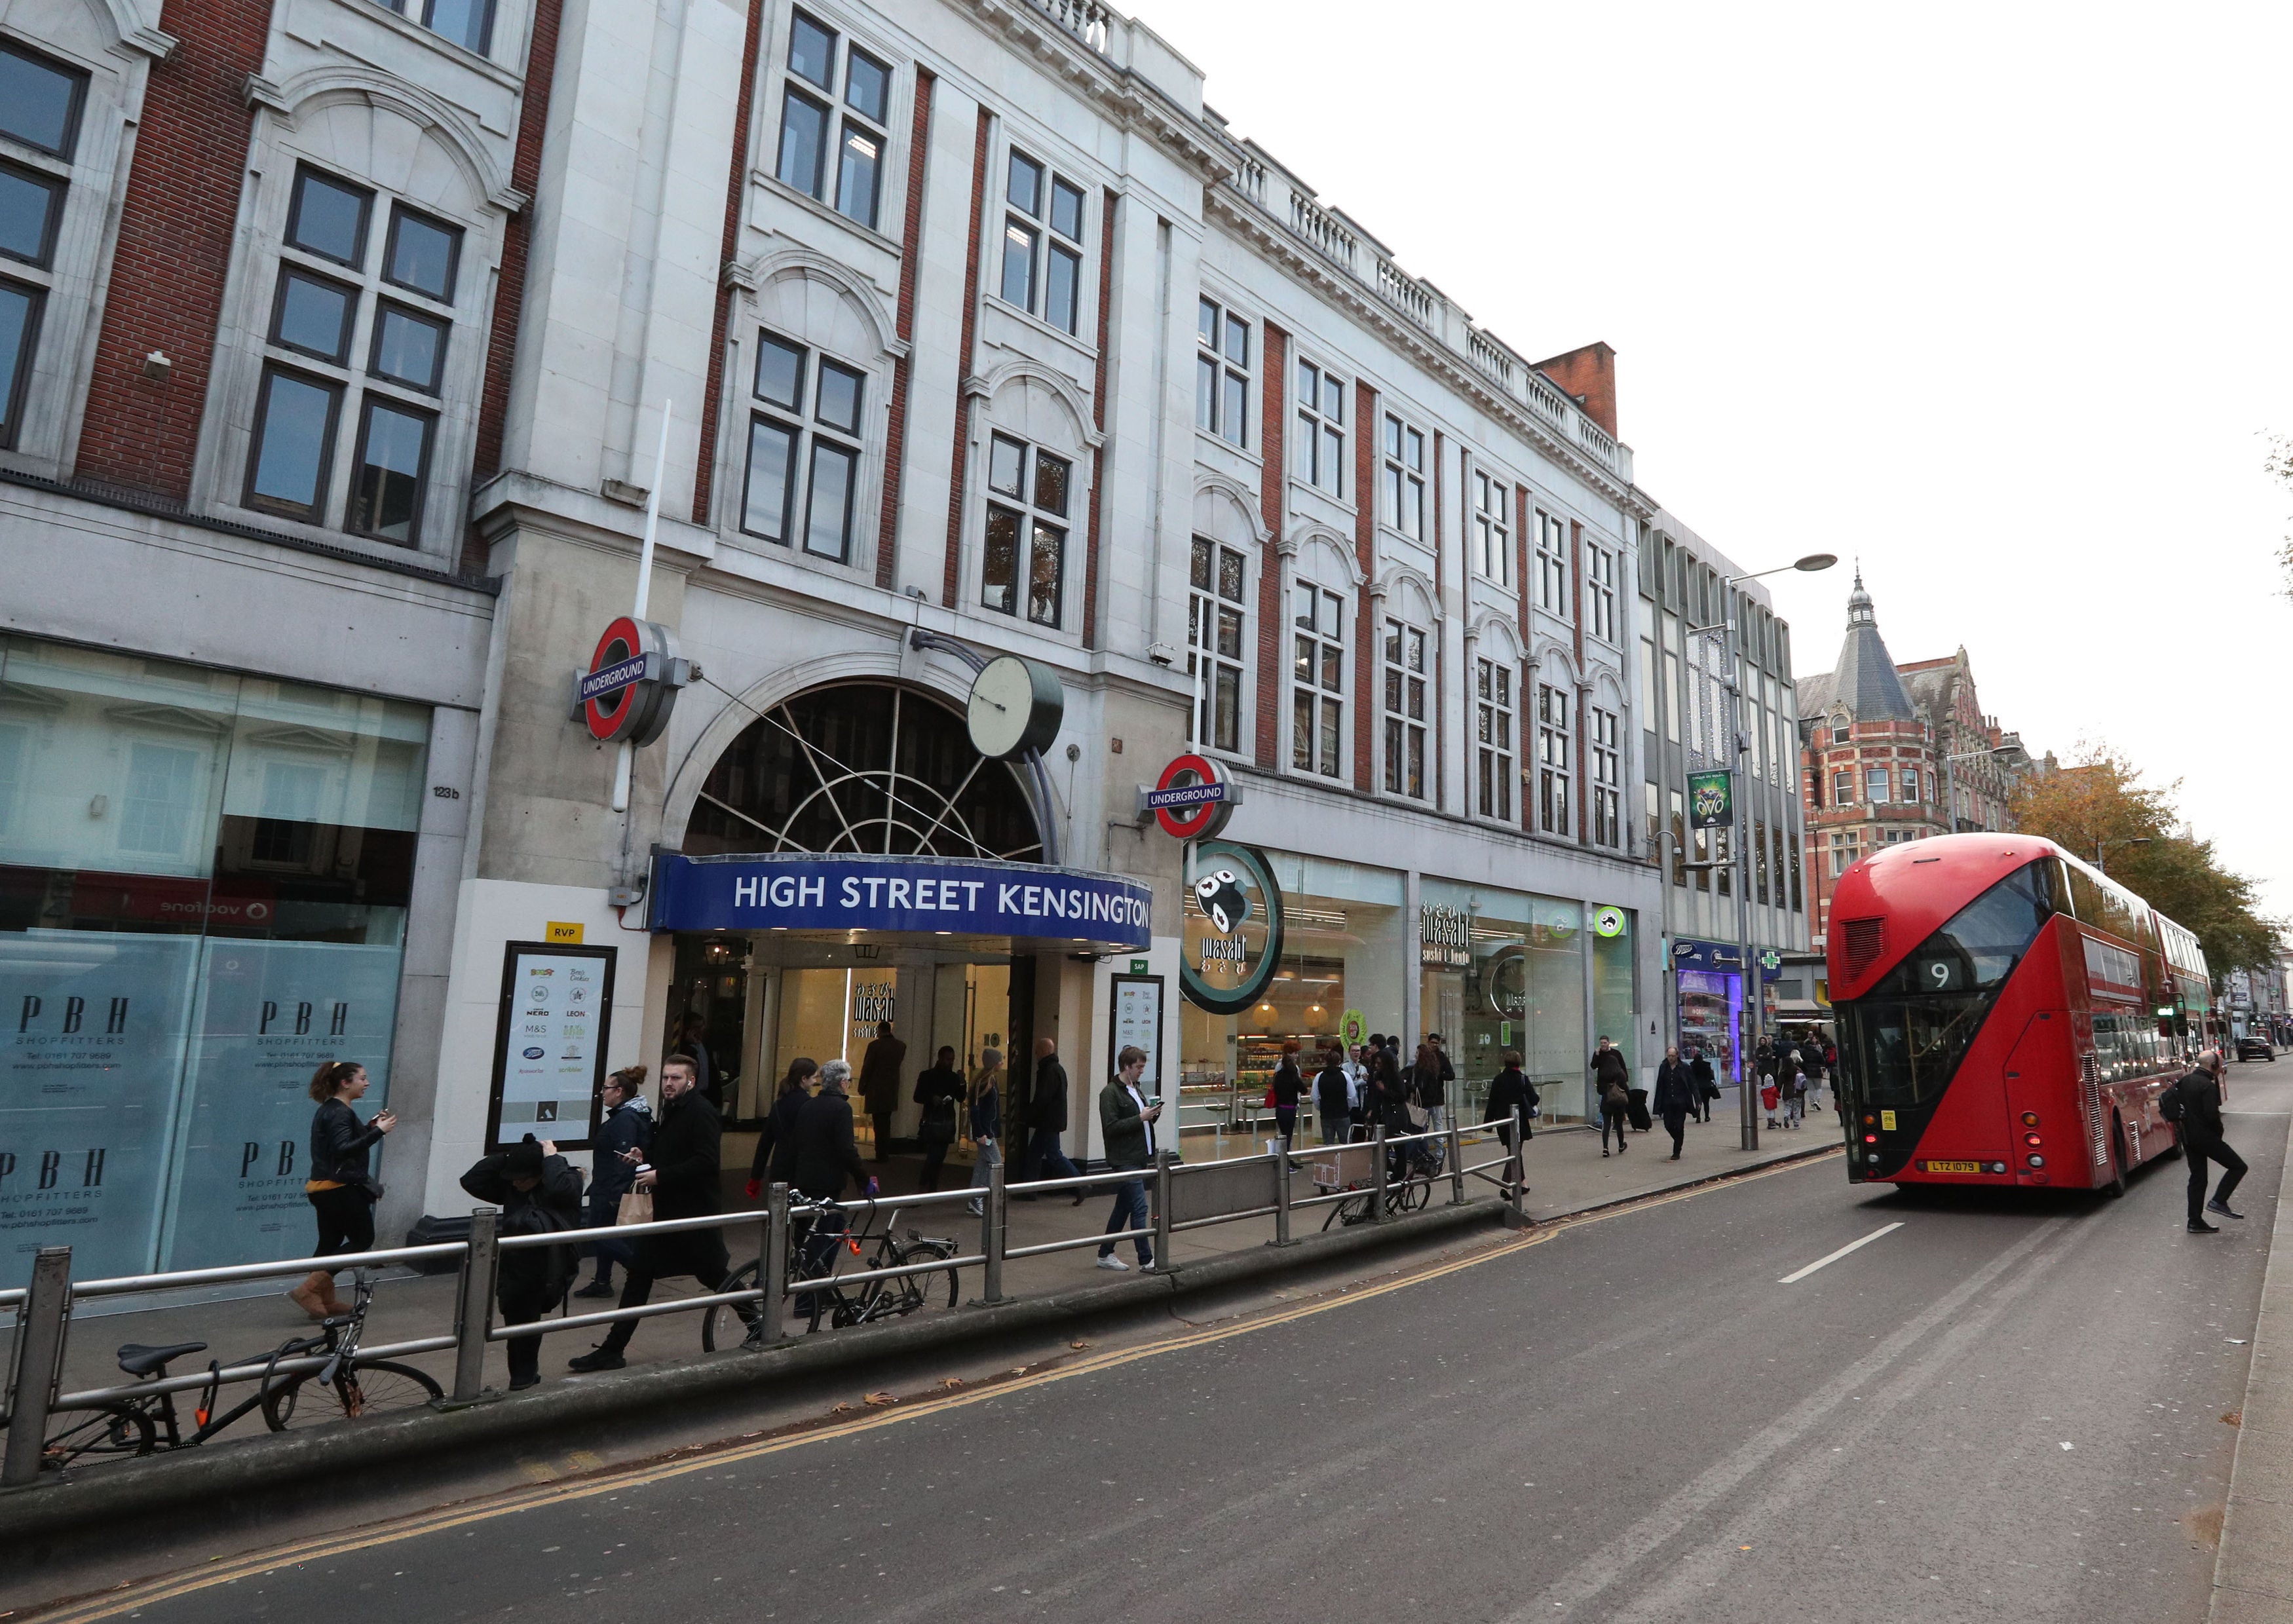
(1636, 1107)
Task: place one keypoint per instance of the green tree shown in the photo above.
(2102, 797)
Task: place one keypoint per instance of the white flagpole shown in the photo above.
(625, 760)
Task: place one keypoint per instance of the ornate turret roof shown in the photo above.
(1865, 681)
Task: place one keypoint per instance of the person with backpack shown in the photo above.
(1706, 1085)
(2192, 1103)
(539, 1194)
(1334, 1098)
(1612, 1081)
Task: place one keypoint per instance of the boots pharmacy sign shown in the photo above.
(1233, 929)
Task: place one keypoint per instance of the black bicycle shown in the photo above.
(1403, 1194)
(839, 1305)
(344, 1388)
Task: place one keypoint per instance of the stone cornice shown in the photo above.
(1119, 93)
(1263, 231)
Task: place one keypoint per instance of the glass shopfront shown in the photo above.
(204, 881)
(1505, 970)
(1345, 946)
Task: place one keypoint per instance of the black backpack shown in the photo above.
(2170, 1102)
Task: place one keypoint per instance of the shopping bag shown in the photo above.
(637, 1208)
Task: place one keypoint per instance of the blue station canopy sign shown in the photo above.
(808, 890)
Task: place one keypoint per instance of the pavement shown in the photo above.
(1565, 1173)
(1772, 1395)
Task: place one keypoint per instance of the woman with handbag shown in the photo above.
(939, 1090)
(1282, 1092)
(1510, 1090)
(340, 1190)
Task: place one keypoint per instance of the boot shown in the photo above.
(315, 1296)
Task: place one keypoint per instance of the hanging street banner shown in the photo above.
(1712, 799)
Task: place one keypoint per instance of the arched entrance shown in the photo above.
(868, 766)
(863, 767)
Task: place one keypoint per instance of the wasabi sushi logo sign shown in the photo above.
(1233, 929)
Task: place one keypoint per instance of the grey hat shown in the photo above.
(991, 1057)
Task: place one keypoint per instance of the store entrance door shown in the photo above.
(760, 1002)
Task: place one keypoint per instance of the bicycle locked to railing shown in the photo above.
(802, 1245)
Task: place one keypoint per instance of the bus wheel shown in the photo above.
(2117, 1185)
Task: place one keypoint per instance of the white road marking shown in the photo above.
(1851, 1246)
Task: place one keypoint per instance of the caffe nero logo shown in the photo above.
(1224, 971)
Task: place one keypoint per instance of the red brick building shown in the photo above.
(1891, 752)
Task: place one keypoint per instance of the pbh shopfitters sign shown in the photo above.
(849, 892)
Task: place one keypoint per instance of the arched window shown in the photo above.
(863, 767)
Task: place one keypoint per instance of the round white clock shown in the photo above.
(1016, 706)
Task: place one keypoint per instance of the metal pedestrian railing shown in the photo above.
(1185, 1197)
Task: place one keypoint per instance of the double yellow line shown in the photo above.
(136, 1598)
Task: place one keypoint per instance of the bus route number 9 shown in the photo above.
(1938, 975)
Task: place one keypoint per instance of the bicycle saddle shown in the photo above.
(137, 1360)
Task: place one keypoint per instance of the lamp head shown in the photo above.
(1815, 562)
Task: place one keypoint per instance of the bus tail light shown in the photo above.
(2029, 1119)
(2036, 1162)
(2032, 1139)
(1870, 1138)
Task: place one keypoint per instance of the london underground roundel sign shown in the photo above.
(630, 687)
(1194, 799)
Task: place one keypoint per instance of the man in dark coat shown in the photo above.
(1047, 1118)
(627, 1125)
(685, 1181)
(2199, 1094)
(1707, 1084)
(1674, 1098)
(538, 1192)
(879, 1084)
(827, 1158)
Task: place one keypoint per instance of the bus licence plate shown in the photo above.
(1954, 1166)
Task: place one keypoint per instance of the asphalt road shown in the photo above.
(2004, 1407)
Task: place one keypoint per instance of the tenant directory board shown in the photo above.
(549, 1044)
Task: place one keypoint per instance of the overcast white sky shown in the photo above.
(1994, 296)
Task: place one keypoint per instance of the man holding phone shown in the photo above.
(1126, 1121)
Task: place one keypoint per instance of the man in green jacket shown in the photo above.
(1126, 1123)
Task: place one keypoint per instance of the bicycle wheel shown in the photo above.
(1411, 1194)
(122, 1429)
(723, 1323)
(921, 1290)
(366, 1390)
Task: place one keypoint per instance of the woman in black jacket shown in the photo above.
(1288, 1083)
(1675, 1097)
(539, 1194)
(776, 1146)
(1333, 1101)
(340, 1190)
(1510, 1090)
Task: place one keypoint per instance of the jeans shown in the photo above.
(638, 1290)
(934, 1159)
(1046, 1159)
(881, 1121)
(1130, 1212)
(1437, 1119)
(1337, 1128)
(1286, 1123)
(607, 1249)
(2199, 1153)
(1675, 1123)
(988, 1154)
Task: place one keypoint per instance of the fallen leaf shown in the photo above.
(2236, 1417)
(840, 1410)
(880, 1398)
(1078, 1345)
(950, 1381)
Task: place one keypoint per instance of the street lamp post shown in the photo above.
(2102, 845)
(1740, 741)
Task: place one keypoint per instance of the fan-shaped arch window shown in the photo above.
(863, 767)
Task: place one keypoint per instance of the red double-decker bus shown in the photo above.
(2008, 1015)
